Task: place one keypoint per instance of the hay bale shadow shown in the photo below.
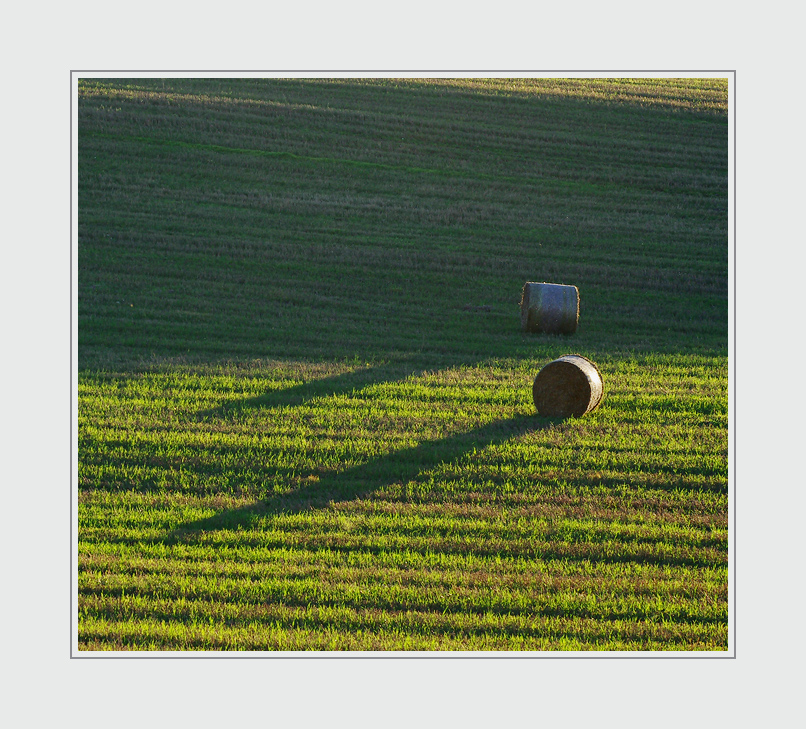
(362, 480)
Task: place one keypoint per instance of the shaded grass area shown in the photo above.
(333, 237)
(304, 399)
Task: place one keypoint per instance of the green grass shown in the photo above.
(305, 417)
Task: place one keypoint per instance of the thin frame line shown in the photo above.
(379, 70)
(395, 657)
(733, 565)
(70, 369)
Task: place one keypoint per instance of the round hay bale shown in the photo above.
(549, 308)
(568, 387)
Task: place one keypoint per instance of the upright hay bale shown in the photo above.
(569, 386)
(549, 308)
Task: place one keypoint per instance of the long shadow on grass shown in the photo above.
(333, 385)
(401, 466)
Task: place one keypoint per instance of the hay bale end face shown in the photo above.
(549, 308)
(568, 387)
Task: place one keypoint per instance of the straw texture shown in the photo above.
(549, 308)
(570, 386)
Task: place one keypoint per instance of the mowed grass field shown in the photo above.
(305, 414)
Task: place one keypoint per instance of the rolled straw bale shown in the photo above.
(569, 386)
(550, 308)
